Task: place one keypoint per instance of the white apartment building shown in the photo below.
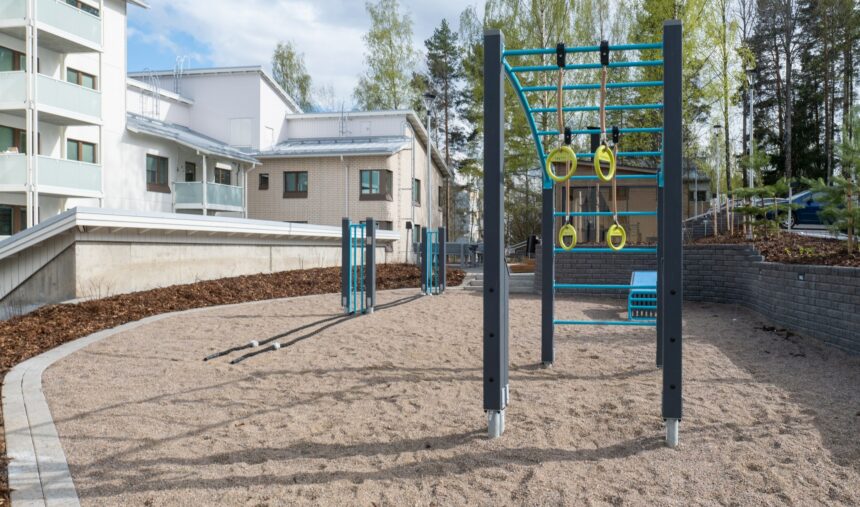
(77, 131)
(62, 99)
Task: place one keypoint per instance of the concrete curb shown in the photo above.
(38, 471)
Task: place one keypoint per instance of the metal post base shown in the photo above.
(672, 427)
(495, 423)
(546, 364)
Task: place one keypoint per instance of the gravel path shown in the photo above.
(386, 409)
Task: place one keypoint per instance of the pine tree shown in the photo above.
(390, 59)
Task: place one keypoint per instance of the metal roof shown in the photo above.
(186, 137)
(411, 116)
(84, 219)
(379, 145)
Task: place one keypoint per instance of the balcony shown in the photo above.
(13, 90)
(55, 176)
(66, 103)
(189, 195)
(69, 177)
(13, 172)
(60, 102)
(62, 27)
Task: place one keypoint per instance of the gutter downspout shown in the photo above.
(205, 177)
(246, 182)
(411, 187)
(345, 186)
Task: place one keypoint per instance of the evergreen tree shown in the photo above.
(390, 59)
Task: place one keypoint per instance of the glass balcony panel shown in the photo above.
(13, 87)
(223, 195)
(13, 9)
(13, 169)
(71, 97)
(188, 192)
(69, 19)
(69, 174)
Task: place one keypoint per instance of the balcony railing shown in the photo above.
(69, 19)
(13, 9)
(191, 194)
(13, 88)
(70, 177)
(54, 175)
(224, 195)
(69, 96)
(13, 170)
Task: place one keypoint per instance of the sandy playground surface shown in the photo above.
(386, 409)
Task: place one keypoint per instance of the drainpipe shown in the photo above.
(28, 48)
(345, 186)
(205, 177)
(245, 190)
(411, 186)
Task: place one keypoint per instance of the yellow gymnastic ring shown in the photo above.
(563, 153)
(604, 154)
(616, 231)
(567, 230)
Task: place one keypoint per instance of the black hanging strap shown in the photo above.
(560, 55)
(604, 53)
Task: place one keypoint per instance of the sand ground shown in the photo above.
(386, 410)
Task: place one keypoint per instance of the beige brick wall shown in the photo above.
(331, 197)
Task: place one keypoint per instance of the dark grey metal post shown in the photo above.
(495, 271)
(443, 274)
(424, 259)
(672, 240)
(547, 298)
(344, 264)
(370, 265)
(661, 307)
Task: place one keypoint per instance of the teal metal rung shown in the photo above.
(629, 84)
(586, 66)
(618, 177)
(605, 214)
(587, 109)
(605, 250)
(625, 154)
(600, 286)
(605, 322)
(582, 49)
(638, 130)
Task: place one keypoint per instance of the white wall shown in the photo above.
(354, 125)
(169, 110)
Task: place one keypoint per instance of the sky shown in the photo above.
(209, 33)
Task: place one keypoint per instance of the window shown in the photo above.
(190, 171)
(13, 140)
(156, 174)
(703, 195)
(385, 225)
(81, 78)
(416, 192)
(11, 60)
(264, 181)
(441, 198)
(375, 185)
(84, 7)
(222, 176)
(295, 184)
(5, 221)
(81, 150)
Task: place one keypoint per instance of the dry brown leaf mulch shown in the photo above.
(29, 335)
(790, 248)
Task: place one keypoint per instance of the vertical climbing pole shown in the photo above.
(672, 244)
(370, 270)
(495, 271)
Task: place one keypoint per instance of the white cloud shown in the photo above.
(328, 32)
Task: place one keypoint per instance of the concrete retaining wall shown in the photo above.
(102, 264)
(816, 301)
